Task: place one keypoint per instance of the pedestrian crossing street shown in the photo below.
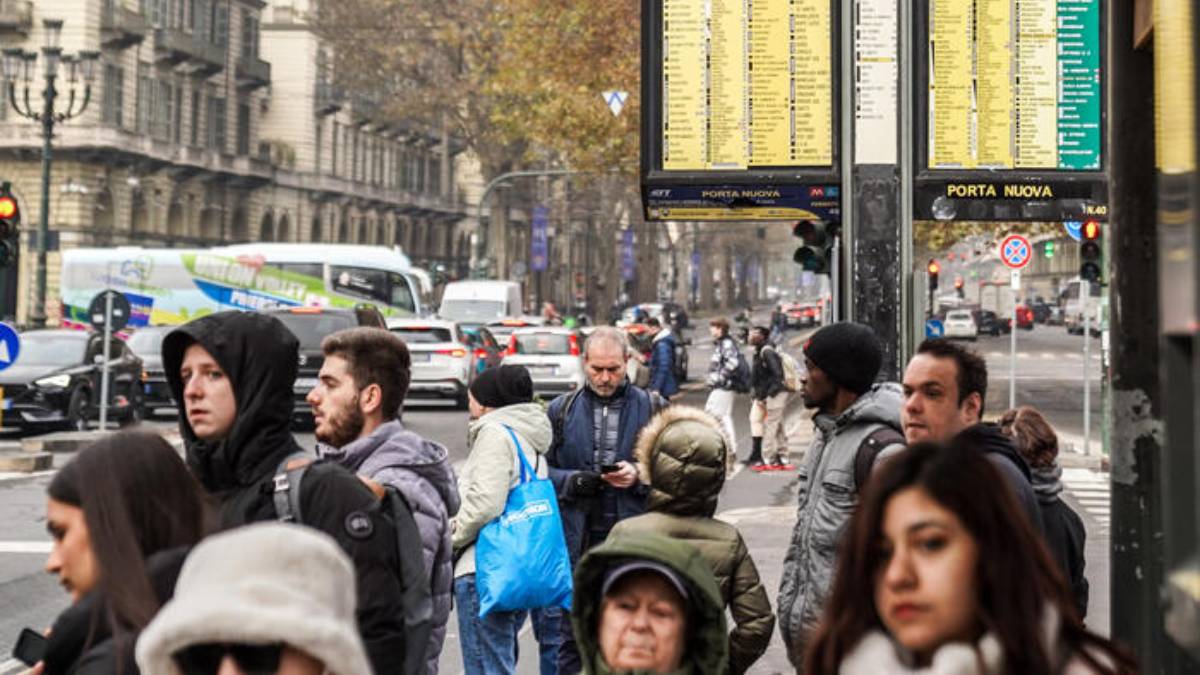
(1091, 490)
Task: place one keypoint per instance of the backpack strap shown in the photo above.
(869, 449)
(286, 491)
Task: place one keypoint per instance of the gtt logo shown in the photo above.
(816, 192)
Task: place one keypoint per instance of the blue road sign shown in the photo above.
(1074, 228)
(10, 346)
(934, 328)
(539, 245)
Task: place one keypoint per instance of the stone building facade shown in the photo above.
(212, 121)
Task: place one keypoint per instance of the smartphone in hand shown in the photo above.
(609, 468)
(30, 647)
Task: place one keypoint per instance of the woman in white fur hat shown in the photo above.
(265, 598)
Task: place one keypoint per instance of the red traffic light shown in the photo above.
(1090, 230)
(8, 207)
(934, 267)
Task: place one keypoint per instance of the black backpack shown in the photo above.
(869, 449)
(414, 582)
(741, 380)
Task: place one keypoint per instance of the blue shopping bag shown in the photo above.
(521, 557)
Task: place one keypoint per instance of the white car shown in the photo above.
(960, 324)
(552, 356)
(442, 363)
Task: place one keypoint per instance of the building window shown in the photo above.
(320, 144)
(177, 119)
(216, 123)
(195, 118)
(333, 160)
(435, 176)
(145, 99)
(249, 36)
(243, 128)
(220, 34)
(164, 110)
(114, 95)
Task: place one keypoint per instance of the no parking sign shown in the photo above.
(1015, 251)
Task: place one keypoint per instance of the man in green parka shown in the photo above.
(648, 604)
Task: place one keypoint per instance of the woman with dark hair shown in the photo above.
(960, 581)
(122, 514)
(1065, 534)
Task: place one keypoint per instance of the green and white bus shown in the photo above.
(168, 286)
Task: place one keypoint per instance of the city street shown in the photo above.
(762, 506)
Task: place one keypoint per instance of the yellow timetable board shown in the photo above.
(746, 84)
(1014, 84)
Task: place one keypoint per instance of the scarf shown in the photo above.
(1047, 481)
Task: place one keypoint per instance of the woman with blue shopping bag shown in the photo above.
(507, 535)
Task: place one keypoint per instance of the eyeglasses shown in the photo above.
(205, 659)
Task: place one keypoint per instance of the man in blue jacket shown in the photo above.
(591, 458)
(662, 360)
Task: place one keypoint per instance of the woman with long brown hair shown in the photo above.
(940, 572)
(122, 514)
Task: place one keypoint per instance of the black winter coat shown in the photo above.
(81, 641)
(259, 356)
(999, 449)
(766, 376)
(1065, 538)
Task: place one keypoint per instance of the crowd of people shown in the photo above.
(925, 540)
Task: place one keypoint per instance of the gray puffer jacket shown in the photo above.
(421, 470)
(828, 496)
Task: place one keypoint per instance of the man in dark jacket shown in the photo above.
(662, 359)
(359, 391)
(770, 398)
(233, 373)
(945, 386)
(591, 457)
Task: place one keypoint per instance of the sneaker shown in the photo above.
(780, 466)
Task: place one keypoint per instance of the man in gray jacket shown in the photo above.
(360, 388)
(854, 418)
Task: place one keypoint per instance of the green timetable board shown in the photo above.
(1014, 84)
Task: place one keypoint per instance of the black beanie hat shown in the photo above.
(505, 385)
(849, 353)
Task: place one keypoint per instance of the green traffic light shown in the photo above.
(1048, 249)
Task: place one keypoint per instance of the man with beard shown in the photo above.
(233, 373)
(591, 459)
(355, 405)
(855, 421)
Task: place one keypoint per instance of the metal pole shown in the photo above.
(1012, 359)
(108, 298)
(835, 280)
(38, 317)
(1085, 289)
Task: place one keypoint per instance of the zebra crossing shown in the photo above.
(1091, 490)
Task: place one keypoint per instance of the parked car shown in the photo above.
(989, 324)
(960, 324)
(552, 356)
(310, 325)
(146, 343)
(444, 358)
(55, 381)
(1041, 311)
(1024, 317)
(502, 328)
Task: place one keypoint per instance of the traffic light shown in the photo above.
(10, 223)
(1048, 248)
(933, 268)
(1090, 252)
(958, 286)
(816, 255)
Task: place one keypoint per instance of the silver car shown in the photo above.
(552, 356)
(442, 363)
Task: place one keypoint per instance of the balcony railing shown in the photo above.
(328, 98)
(253, 72)
(121, 27)
(16, 16)
(175, 46)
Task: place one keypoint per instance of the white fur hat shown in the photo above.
(261, 584)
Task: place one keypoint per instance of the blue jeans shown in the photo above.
(489, 644)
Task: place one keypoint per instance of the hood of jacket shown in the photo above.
(989, 439)
(706, 651)
(529, 420)
(664, 334)
(259, 356)
(681, 457)
(391, 445)
(878, 405)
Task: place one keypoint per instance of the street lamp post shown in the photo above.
(19, 63)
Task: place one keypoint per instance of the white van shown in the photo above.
(474, 303)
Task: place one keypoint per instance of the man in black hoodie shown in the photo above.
(945, 386)
(232, 374)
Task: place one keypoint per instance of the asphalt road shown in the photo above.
(761, 505)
